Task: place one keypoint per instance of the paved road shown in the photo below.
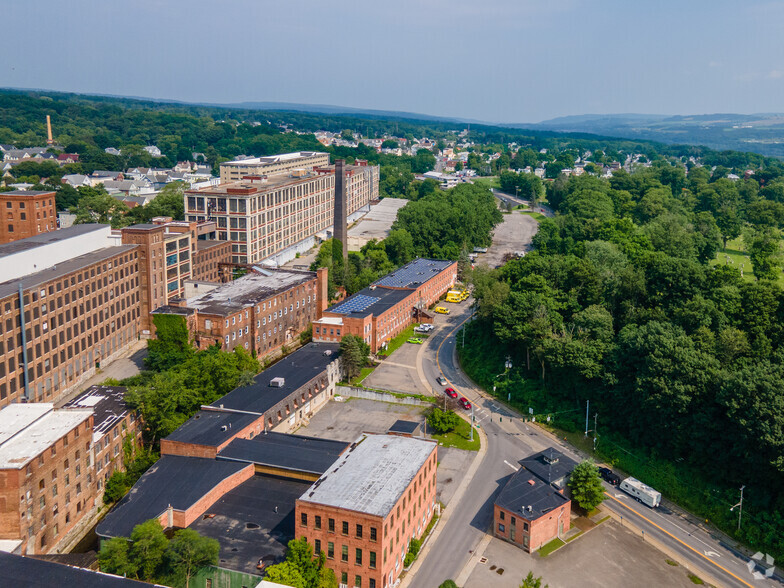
(509, 440)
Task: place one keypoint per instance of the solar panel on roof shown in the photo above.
(357, 303)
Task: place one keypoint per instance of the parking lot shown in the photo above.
(347, 420)
(609, 555)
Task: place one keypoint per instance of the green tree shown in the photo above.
(286, 573)
(148, 544)
(171, 345)
(765, 254)
(586, 486)
(116, 487)
(441, 422)
(188, 552)
(114, 557)
(97, 206)
(399, 246)
(300, 569)
(448, 584)
(530, 581)
(354, 353)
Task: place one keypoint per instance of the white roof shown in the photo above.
(372, 476)
(29, 429)
(330, 320)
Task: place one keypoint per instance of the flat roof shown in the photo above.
(549, 465)
(402, 426)
(26, 193)
(62, 269)
(252, 188)
(370, 301)
(108, 406)
(16, 570)
(297, 370)
(27, 430)
(169, 309)
(48, 238)
(206, 427)
(173, 480)
(290, 452)
(248, 290)
(372, 475)
(271, 159)
(252, 522)
(414, 273)
(523, 490)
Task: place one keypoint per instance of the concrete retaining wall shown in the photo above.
(382, 396)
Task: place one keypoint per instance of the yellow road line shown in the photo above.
(702, 555)
(438, 351)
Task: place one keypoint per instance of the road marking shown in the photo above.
(702, 555)
(711, 553)
(620, 495)
(514, 467)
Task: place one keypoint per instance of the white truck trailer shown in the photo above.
(642, 492)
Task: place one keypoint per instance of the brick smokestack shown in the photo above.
(341, 206)
(322, 291)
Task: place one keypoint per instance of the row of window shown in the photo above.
(358, 529)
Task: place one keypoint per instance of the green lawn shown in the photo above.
(548, 548)
(396, 343)
(489, 182)
(537, 215)
(738, 256)
(459, 438)
(364, 373)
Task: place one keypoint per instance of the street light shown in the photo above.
(739, 506)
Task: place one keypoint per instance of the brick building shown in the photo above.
(47, 484)
(26, 214)
(233, 171)
(81, 304)
(209, 259)
(532, 510)
(261, 311)
(113, 422)
(274, 217)
(384, 309)
(379, 495)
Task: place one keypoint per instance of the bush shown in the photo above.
(441, 422)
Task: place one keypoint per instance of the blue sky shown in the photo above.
(493, 60)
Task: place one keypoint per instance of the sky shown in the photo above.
(511, 61)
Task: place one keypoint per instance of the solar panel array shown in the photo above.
(357, 303)
(416, 272)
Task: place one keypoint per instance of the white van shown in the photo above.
(642, 492)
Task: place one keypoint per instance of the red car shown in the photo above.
(451, 392)
(464, 403)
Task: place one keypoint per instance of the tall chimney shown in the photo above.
(49, 140)
(341, 205)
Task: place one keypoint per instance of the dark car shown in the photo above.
(608, 476)
(464, 403)
(451, 392)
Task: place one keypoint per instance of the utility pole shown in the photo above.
(472, 422)
(595, 416)
(587, 404)
(739, 506)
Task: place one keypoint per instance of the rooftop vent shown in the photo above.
(278, 382)
(551, 459)
(532, 482)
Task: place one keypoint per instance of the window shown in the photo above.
(358, 581)
(372, 560)
(501, 528)
(501, 515)
(343, 577)
(317, 545)
(373, 536)
(303, 519)
(345, 527)
(372, 583)
(330, 550)
(331, 525)
(525, 526)
(359, 531)
(317, 522)
(344, 553)
(358, 557)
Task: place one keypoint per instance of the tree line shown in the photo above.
(621, 304)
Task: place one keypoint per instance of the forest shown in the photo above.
(682, 359)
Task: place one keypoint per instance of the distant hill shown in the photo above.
(760, 133)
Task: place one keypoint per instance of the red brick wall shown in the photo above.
(39, 213)
(531, 535)
(408, 518)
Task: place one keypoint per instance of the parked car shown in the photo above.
(609, 476)
(415, 340)
(421, 330)
(427, 326)
(451, 392)
(441, 380)
(464, 403)
(441, 310)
